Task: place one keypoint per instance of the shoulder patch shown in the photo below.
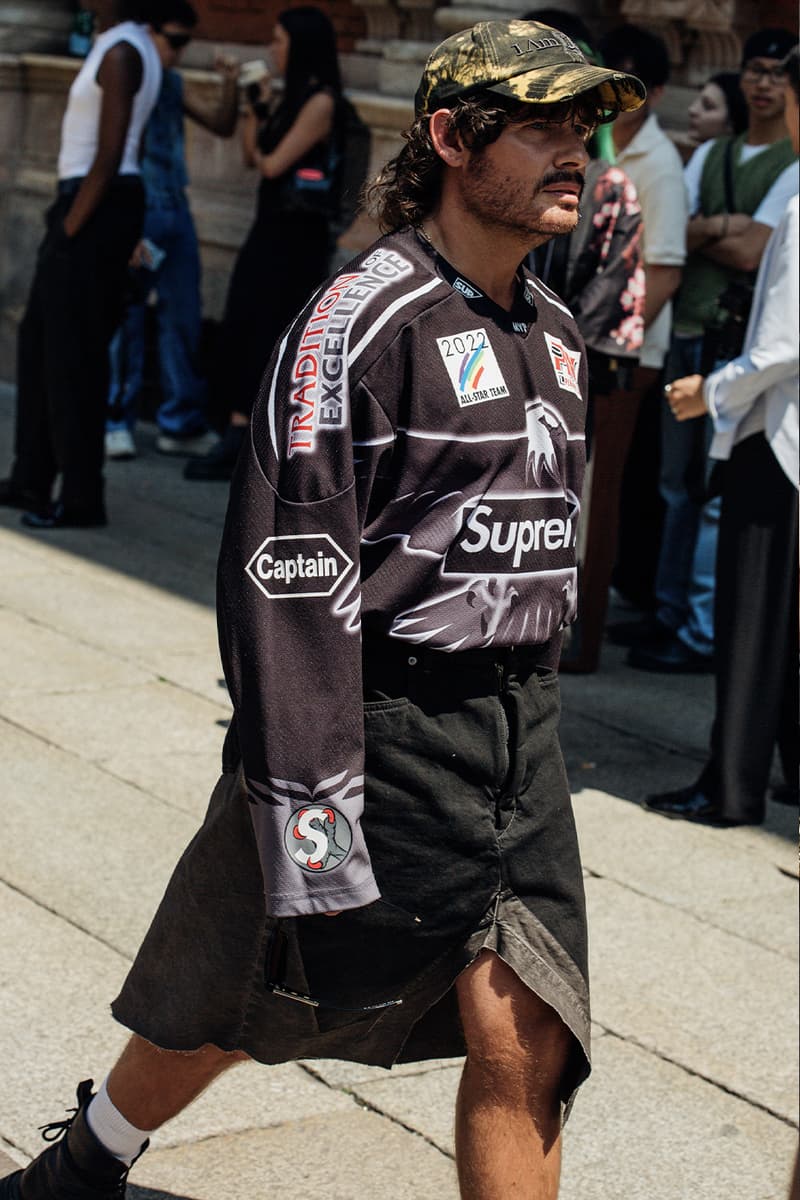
(566, 364)
(319, 386)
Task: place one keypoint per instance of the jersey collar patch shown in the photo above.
(467, 289)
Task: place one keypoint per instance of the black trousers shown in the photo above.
(75, 305)
(756, 641)
(283, 259)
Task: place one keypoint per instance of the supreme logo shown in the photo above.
(466, 289)
(513, 535)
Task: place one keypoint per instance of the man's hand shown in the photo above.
(685, 397)
(140, 256)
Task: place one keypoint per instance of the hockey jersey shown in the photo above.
(414, 470)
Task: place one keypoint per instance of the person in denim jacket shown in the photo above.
(167, 260)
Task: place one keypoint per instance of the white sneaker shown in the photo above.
(186, 447)
(120, 444)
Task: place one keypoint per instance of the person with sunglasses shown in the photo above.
(76, 297)
(169, 233)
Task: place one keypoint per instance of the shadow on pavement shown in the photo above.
(163, 529)
(624, 732)
(142, 1193)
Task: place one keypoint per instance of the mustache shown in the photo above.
(562, 177)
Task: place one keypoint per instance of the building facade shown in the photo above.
(383, 45)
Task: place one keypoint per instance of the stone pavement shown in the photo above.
(111, 720)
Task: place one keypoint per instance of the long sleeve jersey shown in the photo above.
(414, 471)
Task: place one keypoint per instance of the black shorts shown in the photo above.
(469, 826)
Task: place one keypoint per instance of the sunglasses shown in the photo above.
(176, 40)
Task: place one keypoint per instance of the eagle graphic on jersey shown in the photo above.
(541, 420)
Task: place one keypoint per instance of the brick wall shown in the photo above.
(252, 20)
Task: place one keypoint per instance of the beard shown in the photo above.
(515, 207)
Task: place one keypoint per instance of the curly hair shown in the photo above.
(407, 189)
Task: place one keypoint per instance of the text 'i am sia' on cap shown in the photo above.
(524, 60)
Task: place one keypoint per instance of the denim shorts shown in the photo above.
(470, 830)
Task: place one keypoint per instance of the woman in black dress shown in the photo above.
(285, 256)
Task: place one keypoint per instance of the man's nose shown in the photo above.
(572, 150)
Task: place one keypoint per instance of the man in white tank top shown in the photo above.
(75, 301)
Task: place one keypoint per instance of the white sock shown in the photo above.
(112, 1130)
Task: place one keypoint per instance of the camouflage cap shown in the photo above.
(523, 60)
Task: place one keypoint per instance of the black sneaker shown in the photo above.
(13, 496)
(75, 1167)
(220, 460)
(645, 630)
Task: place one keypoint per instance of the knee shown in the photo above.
(526, 1057)
(204, 1057)
(213, 1055)
(516, 1042)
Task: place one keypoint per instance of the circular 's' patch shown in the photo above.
(318, 837)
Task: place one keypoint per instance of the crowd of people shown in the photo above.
(407, 443)
(659, 275)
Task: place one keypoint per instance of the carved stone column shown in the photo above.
(700, 34)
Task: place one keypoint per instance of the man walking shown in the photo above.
(396, 879)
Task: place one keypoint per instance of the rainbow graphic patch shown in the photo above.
(472, 367)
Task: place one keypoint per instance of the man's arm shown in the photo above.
(730, 239)
(312, 125)
(737, 240)
(289, 619)
(221, 116)
(665, 209)
(661, 284)
(120, 77)
(771, 353)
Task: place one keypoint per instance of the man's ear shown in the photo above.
(446, 140)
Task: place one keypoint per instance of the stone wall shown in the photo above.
(384, 44)
(33, 91)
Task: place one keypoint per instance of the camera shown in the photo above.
(723, 340)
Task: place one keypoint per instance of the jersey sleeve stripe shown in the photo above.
(387, 315)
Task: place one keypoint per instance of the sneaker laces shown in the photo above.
(56, 1129)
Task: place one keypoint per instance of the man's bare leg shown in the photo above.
(149, 1085)
(508, 1118)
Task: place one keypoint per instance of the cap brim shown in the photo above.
(617, 91)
